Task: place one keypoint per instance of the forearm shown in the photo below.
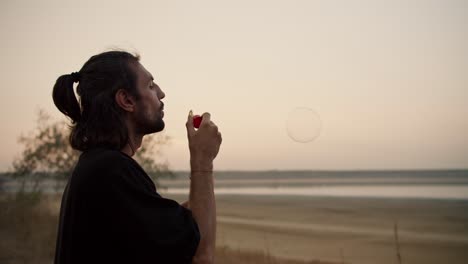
(203, 205)
(204, 145)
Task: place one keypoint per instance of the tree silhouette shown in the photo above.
(47, 154)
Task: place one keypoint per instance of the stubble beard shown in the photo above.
(149, 124)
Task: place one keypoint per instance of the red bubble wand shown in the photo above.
(197, 119)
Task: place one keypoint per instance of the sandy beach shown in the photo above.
(283, 229)
(344, 230)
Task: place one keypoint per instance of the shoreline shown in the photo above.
(431, 192)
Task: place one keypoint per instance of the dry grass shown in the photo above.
(27, 229)
(397, 242)
(28, 226)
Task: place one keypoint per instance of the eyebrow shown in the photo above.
(151, 79)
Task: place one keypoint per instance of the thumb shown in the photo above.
(189, 124)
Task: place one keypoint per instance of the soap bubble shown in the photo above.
(303, 125)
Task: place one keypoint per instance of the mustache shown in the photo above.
(162, 106)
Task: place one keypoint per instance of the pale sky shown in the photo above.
(389, 79)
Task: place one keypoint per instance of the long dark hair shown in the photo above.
(96, 119)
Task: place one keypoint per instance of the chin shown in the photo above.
(163, 125)
(150, 126)
(159, 126)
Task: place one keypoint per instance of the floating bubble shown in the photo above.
(303, 125)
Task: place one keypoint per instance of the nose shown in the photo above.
(161, 94)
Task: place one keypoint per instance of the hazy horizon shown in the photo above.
(388, 79)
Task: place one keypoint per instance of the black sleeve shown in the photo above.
(142, 226)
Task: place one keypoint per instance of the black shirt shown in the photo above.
(111, 213)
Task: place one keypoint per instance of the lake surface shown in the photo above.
(416, 184)
(369, 191)
(441, 184)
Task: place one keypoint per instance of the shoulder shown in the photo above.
(100, 162)
(107, 164)
(102, 157)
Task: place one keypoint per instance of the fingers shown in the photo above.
(206, 122)
(189, 124)
(206, 118)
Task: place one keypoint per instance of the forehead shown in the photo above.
(142, 74)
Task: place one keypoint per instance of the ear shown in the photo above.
(125, 100)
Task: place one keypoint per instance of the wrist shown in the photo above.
(198, 165)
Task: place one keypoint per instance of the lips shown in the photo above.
(162, 109)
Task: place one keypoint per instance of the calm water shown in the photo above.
(433, 184)
(370, 191)
(376, 184)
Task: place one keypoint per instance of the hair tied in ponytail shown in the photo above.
(76, 76)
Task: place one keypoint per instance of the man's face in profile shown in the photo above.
(149, 108)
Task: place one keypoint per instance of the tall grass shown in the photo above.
(27, 229)
(397, 242)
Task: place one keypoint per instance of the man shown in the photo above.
(111, 211)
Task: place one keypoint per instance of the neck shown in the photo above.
(134, 143)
